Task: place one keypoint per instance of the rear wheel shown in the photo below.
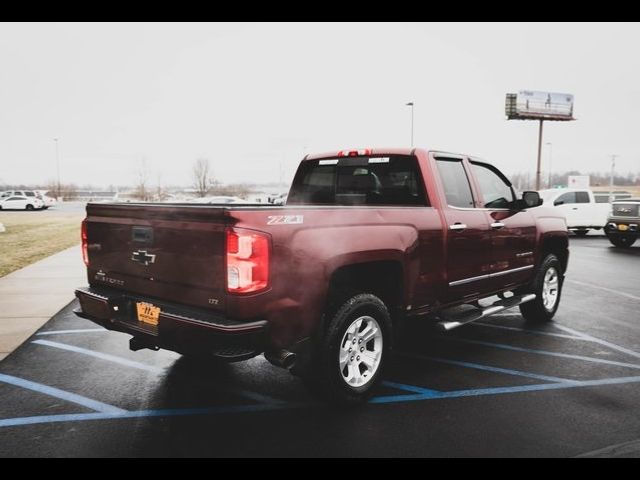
(622, 241)
(347, 362)
(547, 286)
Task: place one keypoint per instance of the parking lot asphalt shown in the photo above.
(495, 388)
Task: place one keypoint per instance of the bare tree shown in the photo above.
(161, 193)
(66, 191)
(202, 178)
(142, 181)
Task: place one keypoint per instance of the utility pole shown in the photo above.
(613, 170)
(57, 170)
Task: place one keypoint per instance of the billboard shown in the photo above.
(533, 105)
(578, 181)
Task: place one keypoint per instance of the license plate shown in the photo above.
(148, 313)
(623, 228)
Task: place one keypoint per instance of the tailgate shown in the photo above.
(172, 252)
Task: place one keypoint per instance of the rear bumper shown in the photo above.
(181, 329)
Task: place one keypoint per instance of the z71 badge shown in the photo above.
(285, 219)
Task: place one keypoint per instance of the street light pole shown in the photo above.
(57, 169)
(410, 104)
(550, 160)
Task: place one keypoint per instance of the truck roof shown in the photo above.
(375, 151)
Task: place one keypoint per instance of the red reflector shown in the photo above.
(232, 242)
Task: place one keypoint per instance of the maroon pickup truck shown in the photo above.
(368, 239)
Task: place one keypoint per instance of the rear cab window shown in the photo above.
(387, 180)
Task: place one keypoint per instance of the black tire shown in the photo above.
(323, 375)
(581, 232)
(536, 311)
(29, 207)
(622, 241)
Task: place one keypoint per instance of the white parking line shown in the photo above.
(540, 352)
(605, 289)
(78, 330)
(527, 330)
(150, 368)
(613, 346)
(61, 394)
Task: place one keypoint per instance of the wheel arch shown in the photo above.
(557, 245)
(383, 278)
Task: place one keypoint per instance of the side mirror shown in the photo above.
(529, 200)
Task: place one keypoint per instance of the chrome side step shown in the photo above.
(471, 316)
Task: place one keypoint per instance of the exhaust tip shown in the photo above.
(281, 358)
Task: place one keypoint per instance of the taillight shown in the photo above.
(85, 249)
(247, 261)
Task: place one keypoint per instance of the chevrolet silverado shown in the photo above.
(367, 240)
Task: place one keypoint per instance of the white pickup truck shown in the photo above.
(579, 207)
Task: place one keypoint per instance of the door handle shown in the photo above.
(574, 208)
(458, 226)
(497, 225)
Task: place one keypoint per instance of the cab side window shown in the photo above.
(456, 184)
(495, 189)
(566, 198)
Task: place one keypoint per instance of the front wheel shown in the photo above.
(347, 362)
(623, 241)
(29, 207)
(547, 285)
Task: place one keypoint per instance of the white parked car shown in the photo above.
(20, 202)
(579, 207)
(47, 200)
(27, 193)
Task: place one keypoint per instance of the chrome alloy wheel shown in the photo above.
(360, 351)
(550, 289)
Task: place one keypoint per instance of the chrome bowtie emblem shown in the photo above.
(141, 256)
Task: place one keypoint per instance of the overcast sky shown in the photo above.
(253, 98)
